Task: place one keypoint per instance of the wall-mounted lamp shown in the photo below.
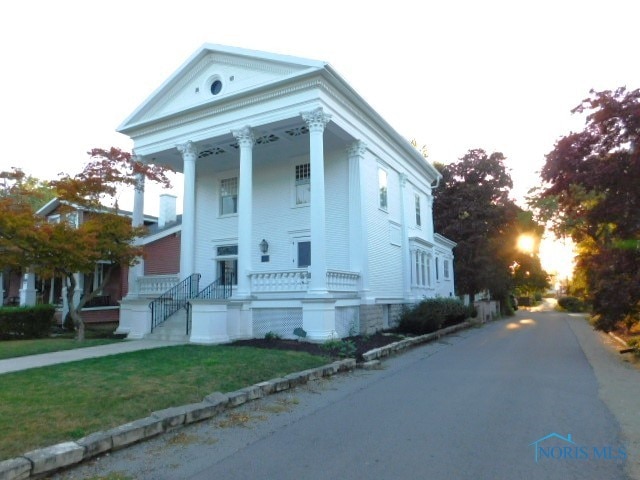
(264, 246)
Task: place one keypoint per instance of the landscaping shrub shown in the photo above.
(432, 314)
(571, 304)
(26, 322)
(340, 348)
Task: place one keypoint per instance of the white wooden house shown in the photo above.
(303, 208)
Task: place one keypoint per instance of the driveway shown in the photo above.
(538, 395)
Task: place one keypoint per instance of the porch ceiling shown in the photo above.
(284, 139)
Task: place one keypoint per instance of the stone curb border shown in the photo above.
(377, 353)
(44, 461)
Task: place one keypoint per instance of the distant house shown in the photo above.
(303, 208)
(161, 247)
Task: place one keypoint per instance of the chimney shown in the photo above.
(167, 209)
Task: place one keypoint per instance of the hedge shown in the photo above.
(571, 304)
(432, 314)
(26, 322)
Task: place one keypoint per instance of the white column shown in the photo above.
(137, 220)
(358, 252)
(429, 220)
(52, 288)
(245, 204)
(187, 242)
(406, 255)
(317, 121)
(28, 290)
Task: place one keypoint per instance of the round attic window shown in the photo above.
(216, 86)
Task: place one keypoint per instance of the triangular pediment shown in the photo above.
(215, 74)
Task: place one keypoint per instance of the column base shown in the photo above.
(135, 318)
(319, 319)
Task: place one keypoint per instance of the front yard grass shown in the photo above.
(48, 405)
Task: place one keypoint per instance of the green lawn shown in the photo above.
(44, 406)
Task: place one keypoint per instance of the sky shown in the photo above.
(453, 75)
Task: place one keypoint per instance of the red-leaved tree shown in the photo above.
(65, 248)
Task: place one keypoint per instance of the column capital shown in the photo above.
(244, 136)
(316, 119)
(188, 149)
(357, 149)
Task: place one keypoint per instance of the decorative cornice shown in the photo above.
(316, 119)
(244, 136)
(199, 111)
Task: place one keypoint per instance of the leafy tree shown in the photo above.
(63, 249)
(24, 188)
(592, 195)
(472, 207)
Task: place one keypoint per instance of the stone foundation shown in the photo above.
(374, 318)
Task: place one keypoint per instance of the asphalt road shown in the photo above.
(471, 406)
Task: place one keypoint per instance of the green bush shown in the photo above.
(571, 304)
(26, 322)
(340, 348)
(271, 336)
(432, 314)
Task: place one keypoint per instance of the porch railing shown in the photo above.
(173, 300)
(298, 281)
(154, 285)
(342, 281)
(280, 281)
(220, 288)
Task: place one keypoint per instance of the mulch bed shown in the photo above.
(363, 343)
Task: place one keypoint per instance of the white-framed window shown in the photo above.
(227, 264)
(418, 217)
(303, 184)
(229, 196)
(301, 252)
(437, 269)
(445, 268)
(383, 189)
(70, 218)
(422, 269)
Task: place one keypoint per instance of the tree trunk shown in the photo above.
(78, 323)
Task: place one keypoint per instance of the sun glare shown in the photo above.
(526, 243)
(558, 258)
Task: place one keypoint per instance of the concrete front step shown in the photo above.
(174, 329)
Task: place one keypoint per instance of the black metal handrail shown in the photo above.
(173, 299)
(221, 288)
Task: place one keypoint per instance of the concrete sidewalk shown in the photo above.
(45, 359)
